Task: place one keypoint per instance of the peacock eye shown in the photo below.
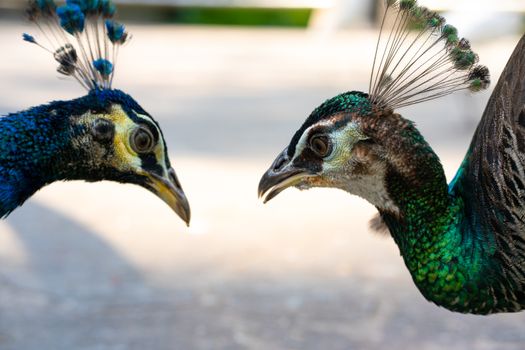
(321, 145)
(142, 140)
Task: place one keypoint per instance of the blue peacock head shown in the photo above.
(352, 140)
(113, 137)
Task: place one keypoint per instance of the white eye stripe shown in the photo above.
(302, 143)
(303, 140)
(147, 118)
(150, 122)
(163, 156)
(351, 128)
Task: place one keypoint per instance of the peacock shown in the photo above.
(104, 135)
(463, 242)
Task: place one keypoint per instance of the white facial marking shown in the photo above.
(343, 141)
(303, 141)
(159, 149)
(372, 188)
(339, 167)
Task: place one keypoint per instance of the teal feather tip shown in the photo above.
(421, 16)
(450, 34)
(479, 78)
(449, 67)
(82, 4)
(29, 38)
(87, 6)
(104, 67)
(72, 18)
(425, 19)
(434, 20)
(37, 8)
(116, 32)
(407, 5)
(418, 12)
(463, 59)
(107, 8)
(46, 5)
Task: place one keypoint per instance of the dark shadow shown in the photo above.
(66, 258)
(65, 295)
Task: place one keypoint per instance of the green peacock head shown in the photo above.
(340, 146)
(355, 141)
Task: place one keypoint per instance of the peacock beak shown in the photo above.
(170, 191)
(281, 175)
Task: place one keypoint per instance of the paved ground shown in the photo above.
(106, 266)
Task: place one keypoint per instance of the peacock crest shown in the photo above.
(421, 58)
(82, 36)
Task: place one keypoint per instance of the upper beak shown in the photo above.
(170, 191)
(281, 175)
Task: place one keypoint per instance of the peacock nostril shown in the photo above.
(280, 162)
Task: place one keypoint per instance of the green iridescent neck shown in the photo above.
(447, 263)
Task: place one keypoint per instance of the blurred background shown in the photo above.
(107, 266)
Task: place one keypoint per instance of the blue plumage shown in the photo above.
(107, 8)
(104, 67)
(72, 18)
(29, 38)
(46, 5)
(85, 5)
(30, 141)
(116, 31)
(52, 142)
(92, 59)
(104, 135)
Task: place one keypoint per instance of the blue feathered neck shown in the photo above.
(36, 148)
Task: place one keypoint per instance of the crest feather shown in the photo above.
(422, 64)
(82, 37)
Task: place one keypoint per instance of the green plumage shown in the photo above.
(448, 262)
(463, 242)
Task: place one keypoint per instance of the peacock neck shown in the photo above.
(445, 262)
(35, 150)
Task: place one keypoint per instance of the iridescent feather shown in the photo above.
(463, 242)
(82, 36)
(413, 66)
(104, 135)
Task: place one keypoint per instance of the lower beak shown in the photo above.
(279, 177)
(170, 191)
